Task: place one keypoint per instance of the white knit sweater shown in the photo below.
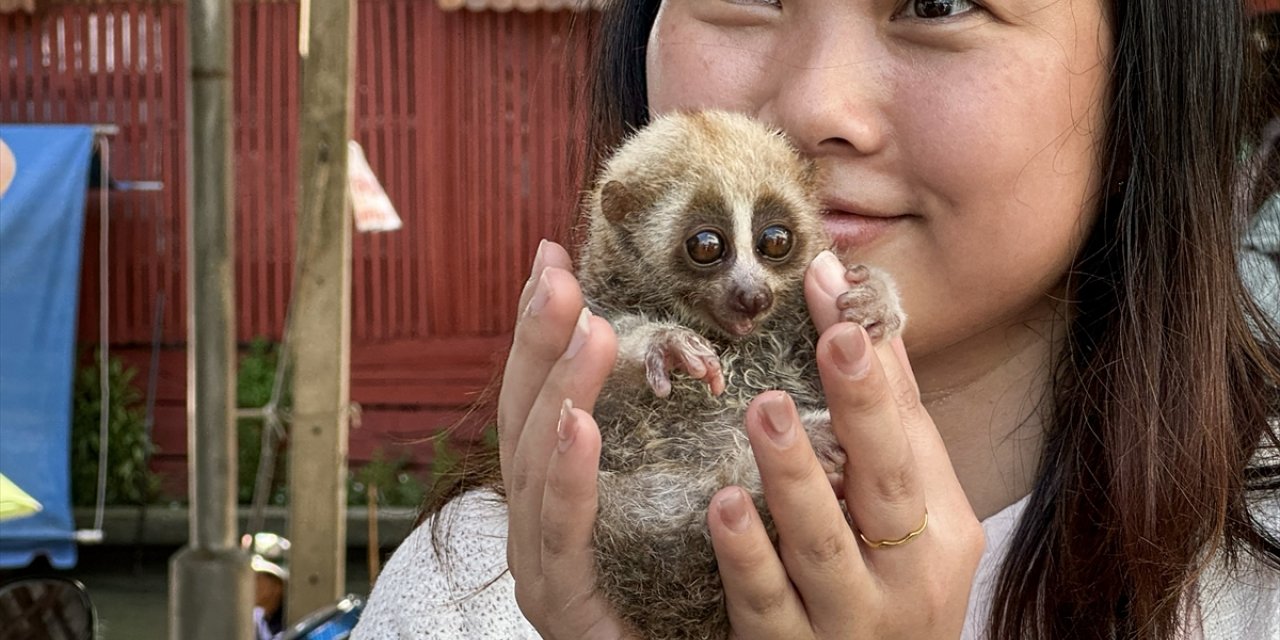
(468, 595)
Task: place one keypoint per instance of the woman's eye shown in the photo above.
(705, 247)
(774, 242)
(932, 9)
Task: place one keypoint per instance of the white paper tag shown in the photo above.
(369, 202)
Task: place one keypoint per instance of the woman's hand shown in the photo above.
(550, 452)
(824, 580)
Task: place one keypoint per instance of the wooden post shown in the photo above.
(321, 332)
(373, 548)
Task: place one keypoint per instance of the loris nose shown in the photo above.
(752, 302)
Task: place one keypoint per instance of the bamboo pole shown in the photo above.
(374, 547)
(321, 335)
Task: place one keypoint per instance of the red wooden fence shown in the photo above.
(466, 118)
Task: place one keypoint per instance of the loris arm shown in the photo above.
(651, 350)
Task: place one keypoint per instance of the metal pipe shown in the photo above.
(211, 589)
(104, 333)
(211, 307)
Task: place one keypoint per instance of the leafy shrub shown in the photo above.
(129, 480)
(398, 485)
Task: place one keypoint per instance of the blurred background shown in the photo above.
(465, 112)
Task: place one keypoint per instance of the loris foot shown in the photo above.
(871, 301)
(817, 424)
(681, 350)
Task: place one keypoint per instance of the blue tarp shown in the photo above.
(41, 234)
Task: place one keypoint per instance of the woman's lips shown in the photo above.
(856, 230)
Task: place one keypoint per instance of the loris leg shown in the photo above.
(872, 302)
(658, 349)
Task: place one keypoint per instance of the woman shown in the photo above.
(1089, 387)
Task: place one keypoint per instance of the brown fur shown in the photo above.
(662, 458)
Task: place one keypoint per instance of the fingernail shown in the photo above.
(849, 352)
(830, 273)
(541, 294)
(539, 262)
(580, 334)
(777, 418)
(567, 428)
(733, 510)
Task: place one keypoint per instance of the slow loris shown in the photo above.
(701, 228)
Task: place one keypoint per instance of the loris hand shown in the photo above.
(679, 349)
(560, 355)
(826, 579)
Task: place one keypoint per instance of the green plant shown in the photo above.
(255, 378)
(128, 480)
(398, 485)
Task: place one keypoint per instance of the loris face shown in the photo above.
(733, 258)
(711, 216)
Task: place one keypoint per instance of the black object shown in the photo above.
(46, 609)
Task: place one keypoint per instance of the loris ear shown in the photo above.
(618, 201)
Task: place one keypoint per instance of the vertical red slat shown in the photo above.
(124, 207)
(253, 167)
(377, 86)
(523, 37)
(406, 191)
(380, 138)
(436, 91)
(500, 80)
(489, 161)
(264, 209)
(411, 205)
(132, 169)
(44, 90)
(8, 66)
(392, 133)
(484, 162)
(470, 66)
(282, 184)
(289, 183)
(272, 296)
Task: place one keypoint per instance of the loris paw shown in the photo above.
(871, 301)
(681, 350)
(817, 424)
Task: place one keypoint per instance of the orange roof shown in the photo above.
(14, 6)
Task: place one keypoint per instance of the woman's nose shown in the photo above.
(831, 93)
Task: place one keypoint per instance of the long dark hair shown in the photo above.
(1170, 375)
(1168, 381)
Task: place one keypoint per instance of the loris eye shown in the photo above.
(774, 243)
(705, 247)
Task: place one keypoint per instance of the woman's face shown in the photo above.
(959, 140)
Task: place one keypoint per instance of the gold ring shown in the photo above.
(876, 544)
